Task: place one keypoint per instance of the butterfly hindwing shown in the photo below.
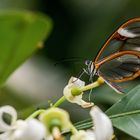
(121, 68)
(113, 85)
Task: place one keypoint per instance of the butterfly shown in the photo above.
(119, 58)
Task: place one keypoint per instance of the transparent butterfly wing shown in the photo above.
(113, 85)
(122, 68)
(126, 38)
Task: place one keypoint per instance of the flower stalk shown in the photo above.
(75, 91)
(35, 114)
(95, 84)
(60, 101)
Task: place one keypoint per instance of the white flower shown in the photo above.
(102, 124)
(12, 113)
(19, 129)
(83, 135)
(28, 130)
(73, 84)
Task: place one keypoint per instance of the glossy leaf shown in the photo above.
(125, 114)
(21, 34)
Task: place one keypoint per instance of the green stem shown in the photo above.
(35, 114)
(60, 101)
(90, 86)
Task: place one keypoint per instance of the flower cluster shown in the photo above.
(49, 124)
(13, 129)
(52, 122)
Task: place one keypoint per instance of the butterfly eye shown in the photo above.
(88, 62)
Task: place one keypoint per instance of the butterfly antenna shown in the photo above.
(67, 60)
(81, 73)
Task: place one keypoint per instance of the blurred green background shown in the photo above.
(80, 27)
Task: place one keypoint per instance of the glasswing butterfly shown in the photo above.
(119, 58)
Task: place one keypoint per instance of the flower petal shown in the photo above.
(86, 104)
(49, 138)
(73, 82)
(12, 112)
(5, 136)
(76, 82)
(103, 125)
(29, 130)
(83, 135)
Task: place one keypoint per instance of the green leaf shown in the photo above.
(125, 114)
(21, 34)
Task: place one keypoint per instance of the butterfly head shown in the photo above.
(90, 68)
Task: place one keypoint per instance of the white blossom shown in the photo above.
(75, 83)
(20, 129)
(28, 130)
(83, 135)
(13, 114)
(102, 124)
(103, 129)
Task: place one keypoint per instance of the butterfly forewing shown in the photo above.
(119, 58)
(132, 44)
(126, 38)
(132, 41)
(113, 46)
(134, 26)
(121, 68)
